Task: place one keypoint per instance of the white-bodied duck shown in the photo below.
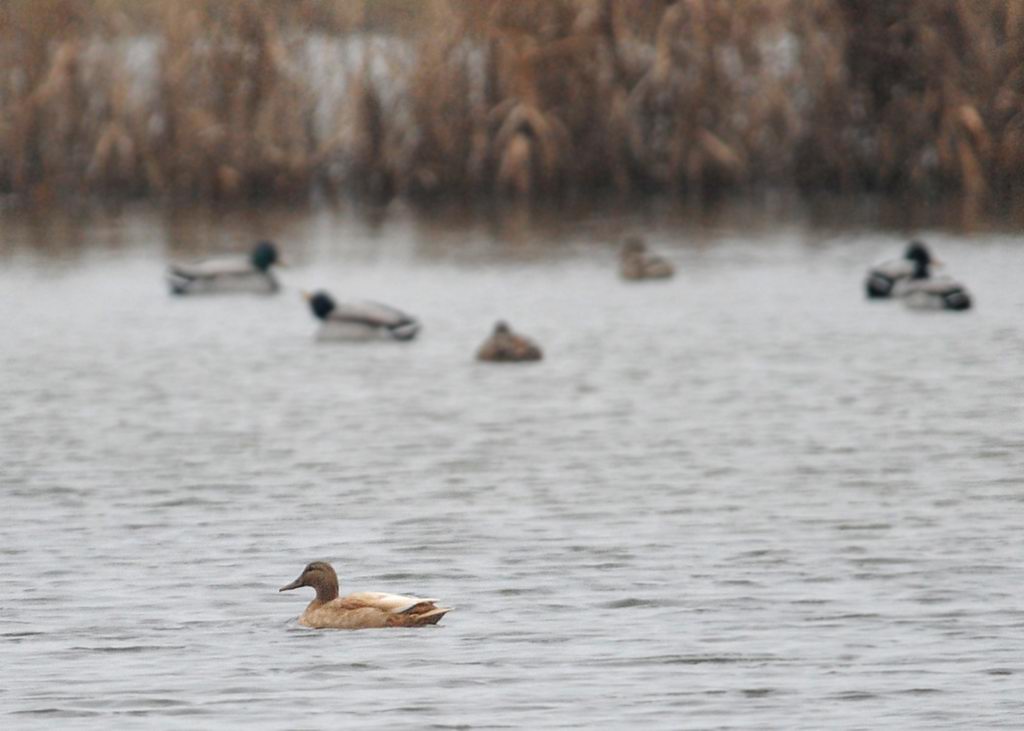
(923, 291)
(363, 610)
(360, 320)
(241, 273)
(911, 279)
(884, 279)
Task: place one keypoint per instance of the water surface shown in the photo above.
(743, 498)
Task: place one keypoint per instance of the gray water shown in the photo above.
(743, 498)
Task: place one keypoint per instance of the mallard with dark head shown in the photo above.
(923, 291)
(355, 321)
(883, 279)
(242, 273)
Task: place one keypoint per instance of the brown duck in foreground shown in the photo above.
(363, 610)
(505, 346)
(636, 262)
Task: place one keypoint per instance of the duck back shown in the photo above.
(372, 610)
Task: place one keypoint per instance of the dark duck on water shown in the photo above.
(636, 262)
(506, 346)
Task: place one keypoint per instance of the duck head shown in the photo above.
(319, 575)
(264, 255)
(321, 303)
(501, 328)
(922, 258)
(633, 245)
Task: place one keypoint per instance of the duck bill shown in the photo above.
(294, 585)
(306, 295)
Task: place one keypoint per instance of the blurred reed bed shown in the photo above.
(242, 99)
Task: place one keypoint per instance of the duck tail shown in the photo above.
(405, 330)
(178, 282)
(878, 286)
(958, 300)
(421, 613)
(433, 616)
(417, 620)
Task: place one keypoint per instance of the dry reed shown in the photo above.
(227, 99)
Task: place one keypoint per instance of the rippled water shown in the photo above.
(743, 498)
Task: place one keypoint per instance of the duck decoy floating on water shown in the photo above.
(362, 610)
(239, 273)
(911, 279)
(885, 279)
(636, 262)
(505, 346)
(941, 293)
(360, 320)
(923, 291)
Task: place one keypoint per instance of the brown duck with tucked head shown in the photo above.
(636, 262)
(505, 346)
(363, 610)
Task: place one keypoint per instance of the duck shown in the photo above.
(362, 610)
(941, 293)
(251, 273)
(636, 262)
(923, 291)
(360, 320)
(506, 346)
(886, 279)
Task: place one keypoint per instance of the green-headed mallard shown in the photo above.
(911, 279)
(884, 278)
(240, 273)
(360, 320)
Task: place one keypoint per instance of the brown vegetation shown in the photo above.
(232, 99)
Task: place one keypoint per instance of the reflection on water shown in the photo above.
(745, 497)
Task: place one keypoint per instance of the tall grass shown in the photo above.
(231, 99)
